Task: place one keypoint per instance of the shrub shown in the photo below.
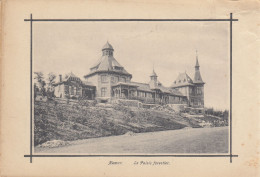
(60, 116)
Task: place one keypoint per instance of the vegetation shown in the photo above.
(218, 117)
(56, 120)
(67, 120)
(41, 87)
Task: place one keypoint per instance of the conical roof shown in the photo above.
(197, 63)
(108, 46)
(197, 77)
(153, 74)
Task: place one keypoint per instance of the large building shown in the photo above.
(108, 80)
(192, 89)
(72, 87)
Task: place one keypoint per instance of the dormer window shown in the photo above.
(184, 80)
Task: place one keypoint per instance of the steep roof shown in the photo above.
(107, 63)
(107, 46)
(183, 79)
(197, 77)
(197, 63)
(72, 77)
(153, 74)
(143, 86)
(69, 76)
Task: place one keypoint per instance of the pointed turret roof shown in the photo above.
(197, 61)
(197, 77)
(153, 73)
(107, 46)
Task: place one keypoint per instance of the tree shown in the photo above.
(40, 82)
(51, 80)
(38, 76)
(35, 90)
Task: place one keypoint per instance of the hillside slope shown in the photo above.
(54, 120)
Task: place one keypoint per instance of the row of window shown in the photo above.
(196, 102)
(72, 90)
(175, 98)
(180, 81)
(114, 79)
(151, 95)
(144, 94)
(197, 90)
(108, 52)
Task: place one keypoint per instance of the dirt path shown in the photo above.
(197, 140)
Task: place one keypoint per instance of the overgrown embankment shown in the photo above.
(55, 120)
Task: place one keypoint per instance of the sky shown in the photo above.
(63, 47)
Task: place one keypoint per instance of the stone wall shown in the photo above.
(124, 102)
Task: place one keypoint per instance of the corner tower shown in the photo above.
(197, 76)
(107, 50)
(198, 98)
(107, 73)
(153, 76)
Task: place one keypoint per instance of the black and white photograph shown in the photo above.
(131, 87)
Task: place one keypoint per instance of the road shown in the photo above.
(196, 140)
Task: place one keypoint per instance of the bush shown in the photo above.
(60, 116)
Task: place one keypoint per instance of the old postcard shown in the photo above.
(113, 88)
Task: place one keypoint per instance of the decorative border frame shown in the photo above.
(31, 20)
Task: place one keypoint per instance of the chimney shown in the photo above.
(60, 78)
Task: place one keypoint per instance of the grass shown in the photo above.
(54, 120)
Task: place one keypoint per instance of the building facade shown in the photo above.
(72, 87)
(192, 89)
(108, 80)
